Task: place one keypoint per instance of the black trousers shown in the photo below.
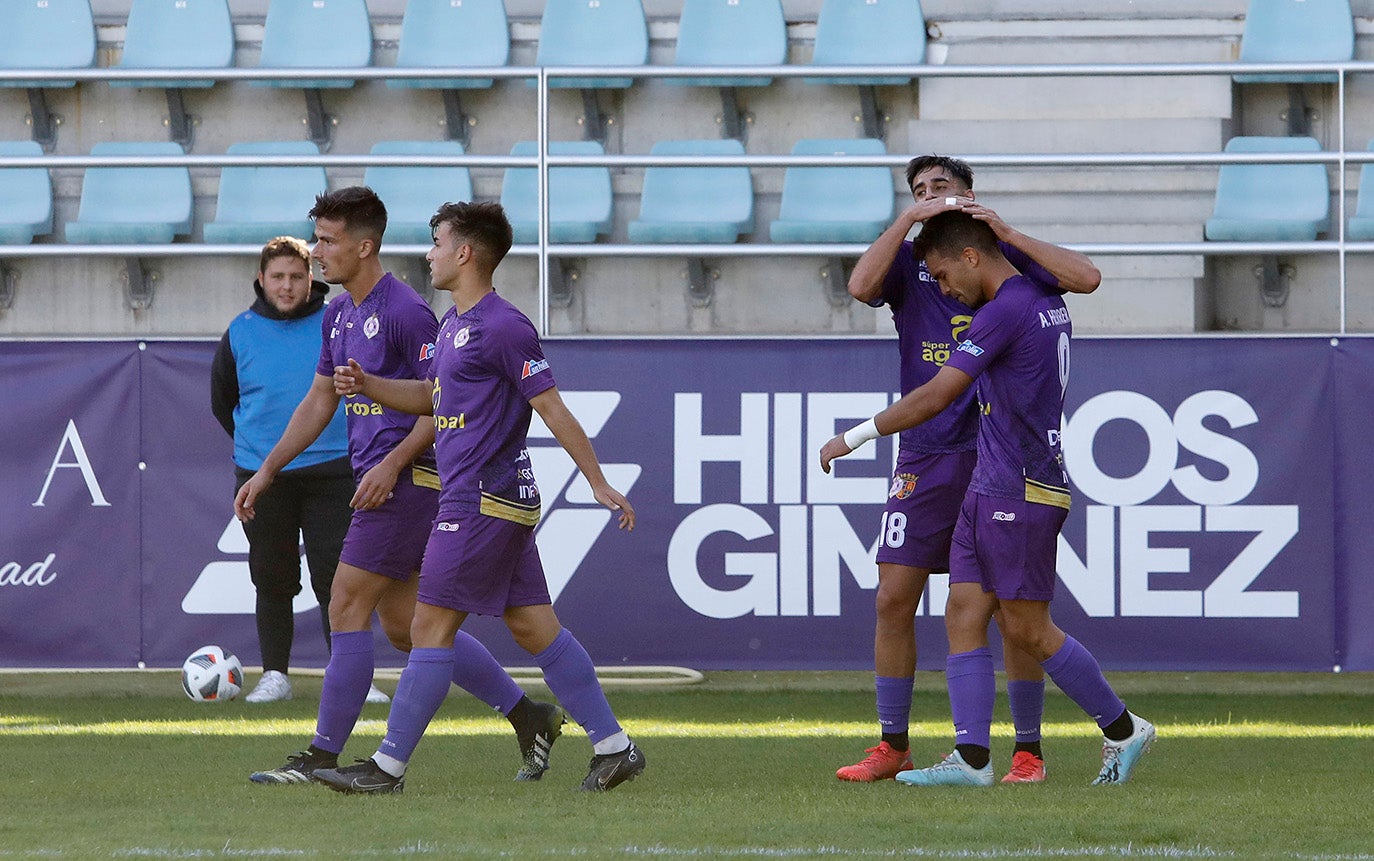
(309, 503)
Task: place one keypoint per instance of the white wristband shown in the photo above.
(860, 434)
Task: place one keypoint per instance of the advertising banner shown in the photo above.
(1213, 526)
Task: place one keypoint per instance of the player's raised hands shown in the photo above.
(349, 379)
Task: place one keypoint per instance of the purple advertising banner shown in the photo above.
(1214, 522)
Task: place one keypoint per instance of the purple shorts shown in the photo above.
(1008, 546)
(390, 539)
(482, 564)
(922, 507)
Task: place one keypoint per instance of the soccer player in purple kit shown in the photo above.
(935, 460)
(1003, 557)
(384, 324)
(489, 373)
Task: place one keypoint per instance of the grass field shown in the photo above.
(740, 766)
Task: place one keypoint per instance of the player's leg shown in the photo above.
(1026, 695)
(274, 565)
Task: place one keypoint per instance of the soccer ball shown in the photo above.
(211, 675)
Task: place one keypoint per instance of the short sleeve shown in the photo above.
(519, 357)
(413, 336)
(899, 274)
(325, 366)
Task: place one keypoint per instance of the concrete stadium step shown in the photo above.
(989, 135)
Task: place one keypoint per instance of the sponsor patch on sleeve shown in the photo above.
(534, 367)
(426, 352)
(971, 348)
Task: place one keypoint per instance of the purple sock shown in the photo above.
(423, 686)
(478, 673)
(972, 693)
(569, 673)
(894, 702)
(1076, 672)
(346, 680)
(1027, 708)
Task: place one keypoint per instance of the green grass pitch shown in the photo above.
(740, 766)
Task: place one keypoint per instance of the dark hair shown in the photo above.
(357, 206)
(951, 232)
(284, 246)
(482, 225)
(957, 168)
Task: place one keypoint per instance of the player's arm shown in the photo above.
(224, 385)
(406, 396)
(311, 417)
(1074, 271)
(377, 483)
(569, 433)
(866, 281)
(919, 405)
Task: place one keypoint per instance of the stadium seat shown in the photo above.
(257, 203)
(580, 204)
(730, 33)
(53, 34)
(126, 205)
(695, 204)
(871, 33)
(174, 34)
(322, 34)
(1296, 31)
(1360, 228)
(1270, 202)
(593, 33)
(413, 194)
(25, 196)
(834, 204)
(442, 33)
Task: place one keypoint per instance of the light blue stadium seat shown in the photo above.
(438, 33)
(413, 194)
(177, 34)
(333, 34)
(1270, 202)
(593, 33)
(55, 34)
(869, 33)
(123, 205)
(834, 204)
(579, 197)
(1360, 228)
(25, 197)
(257, 203)
(695, 204)
(730, 33)
(1296, 31)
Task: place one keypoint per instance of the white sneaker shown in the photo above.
(375, 695)
(951, 771)
(1119, 758)
(271, 687)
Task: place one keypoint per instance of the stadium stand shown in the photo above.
(600, 33)
(880, 32)
(438, 33)
(174, 34)
(413, 194)
(1270, 202)
(730, 33)
(256, 204)
(127, 205)
(1360, 227)
(25, 196)
(834, 204)
(1296, 31)
(329, 34)
(695, 204)
(54, 34)
(580, 200)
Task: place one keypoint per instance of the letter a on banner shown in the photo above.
(83, 463)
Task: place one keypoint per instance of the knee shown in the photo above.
(896, 604)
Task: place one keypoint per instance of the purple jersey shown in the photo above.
(1017, 348)
(488, 364)
(929, 325)
(391, 334)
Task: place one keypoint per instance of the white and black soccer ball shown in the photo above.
(211, 675)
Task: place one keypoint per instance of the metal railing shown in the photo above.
(542, 76)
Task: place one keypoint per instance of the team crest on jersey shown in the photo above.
(903, 485)
(426, 352)
(372, 326)
(461, 336)
(532, 368)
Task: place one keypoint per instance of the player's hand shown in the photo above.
(989, 217)
(837, 447)
(349, 379)
(248, 495)
(375, 488)
(923, 210)
(616, 501)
